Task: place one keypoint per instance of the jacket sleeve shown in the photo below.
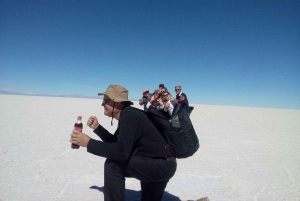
(105, 135)
(123, 147)
(145, 101)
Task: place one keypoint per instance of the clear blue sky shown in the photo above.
(244, 53)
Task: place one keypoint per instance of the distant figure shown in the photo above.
(160, 86)
(182, 99)
(145, 99)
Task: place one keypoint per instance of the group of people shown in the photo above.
(136, 149)
(163, 100)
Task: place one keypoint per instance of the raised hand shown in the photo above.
(93, 122)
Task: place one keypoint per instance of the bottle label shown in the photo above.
(78, 128)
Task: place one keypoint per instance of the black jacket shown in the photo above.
(135, 133)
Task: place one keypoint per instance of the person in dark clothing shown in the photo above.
(145, 99)
(182, 99)
(136, 149)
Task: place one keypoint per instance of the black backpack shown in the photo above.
(178, 131)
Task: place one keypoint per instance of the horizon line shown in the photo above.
(4, 92)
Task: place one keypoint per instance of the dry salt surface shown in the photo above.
(245, 153)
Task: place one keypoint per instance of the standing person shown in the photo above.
(145, 99)
(136, 149)
(182, 99)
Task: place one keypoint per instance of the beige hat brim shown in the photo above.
(104, 93)
(101, 94)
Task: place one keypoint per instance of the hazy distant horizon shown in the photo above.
(2, 92)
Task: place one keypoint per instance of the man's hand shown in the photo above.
(141, 101)
(79, 138)
(93, 122)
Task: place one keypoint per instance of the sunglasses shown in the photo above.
(177, 89)
(146, 92)
(105, 101)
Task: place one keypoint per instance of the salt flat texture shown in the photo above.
(245, 153)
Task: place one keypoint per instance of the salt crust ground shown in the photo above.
(245, 153)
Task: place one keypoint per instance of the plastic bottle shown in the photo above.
(78, 126)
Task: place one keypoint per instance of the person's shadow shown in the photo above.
(132, 195)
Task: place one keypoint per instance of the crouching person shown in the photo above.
(136, 149)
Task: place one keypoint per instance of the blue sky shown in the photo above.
(243, 53)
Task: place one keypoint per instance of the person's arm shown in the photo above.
(122, 149)
(174, 102)
(141, 101)
(145, 101)
(105, 135)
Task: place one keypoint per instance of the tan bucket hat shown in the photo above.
(116, 93)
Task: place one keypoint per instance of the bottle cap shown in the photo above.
(79, 117)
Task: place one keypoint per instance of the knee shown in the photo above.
(113, 168)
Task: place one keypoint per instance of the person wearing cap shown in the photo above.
(136, 149)
(145, 99)
(182, 99)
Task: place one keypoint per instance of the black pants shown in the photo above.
(153, 174)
